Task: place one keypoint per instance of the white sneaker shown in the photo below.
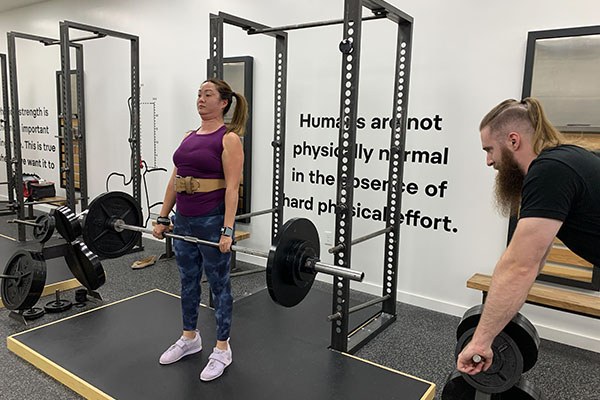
(217, 362)
(181, 348)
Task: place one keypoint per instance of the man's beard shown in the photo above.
(509, 182)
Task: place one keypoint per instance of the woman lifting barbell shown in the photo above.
(205, 186)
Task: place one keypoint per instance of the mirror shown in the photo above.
(75, 126)
(561, 70)
(238, 72)
(565, 78)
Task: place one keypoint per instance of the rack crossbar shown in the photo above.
(309, 25)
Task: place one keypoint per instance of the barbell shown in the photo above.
(112, 226)
(43, 227)
(62, 219)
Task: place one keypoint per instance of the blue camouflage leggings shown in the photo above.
(192, 259)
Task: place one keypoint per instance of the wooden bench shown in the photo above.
(563, 263)
(553, 297)
(55, 201)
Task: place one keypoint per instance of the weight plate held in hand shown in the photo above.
(520, 329)
(506, 368)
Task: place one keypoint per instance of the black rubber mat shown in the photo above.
(278, 353)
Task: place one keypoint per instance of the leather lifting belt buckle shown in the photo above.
(190, 185)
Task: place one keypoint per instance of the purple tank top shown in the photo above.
(200, 156)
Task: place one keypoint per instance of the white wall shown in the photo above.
(467, 56)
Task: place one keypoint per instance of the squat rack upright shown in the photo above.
(134, 138)
(10, 181)
(16, 174)
(343, 338)
(66, 43)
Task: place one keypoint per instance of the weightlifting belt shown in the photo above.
(189, 184)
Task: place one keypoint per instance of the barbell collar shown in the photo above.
(119, 226)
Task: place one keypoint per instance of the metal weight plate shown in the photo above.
(22, 293)
(297, 239)
(456, 388)
(296, 260)
(57, 306)
(506, 368)
(44, 228)
(67, 223)
(520, 329)
(98, 232)
(523, 390)
(85, 266)
(33, 313)
(469, 320)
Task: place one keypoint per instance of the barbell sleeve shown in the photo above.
(339, 271)
(119, 225)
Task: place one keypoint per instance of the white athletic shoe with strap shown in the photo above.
(217, 362)
(181, 348)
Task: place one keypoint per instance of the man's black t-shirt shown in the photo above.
(563, 183)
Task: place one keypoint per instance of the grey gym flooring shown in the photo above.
(420, 342)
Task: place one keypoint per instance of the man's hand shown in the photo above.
(465, 363)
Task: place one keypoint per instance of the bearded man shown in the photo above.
(555, 189)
